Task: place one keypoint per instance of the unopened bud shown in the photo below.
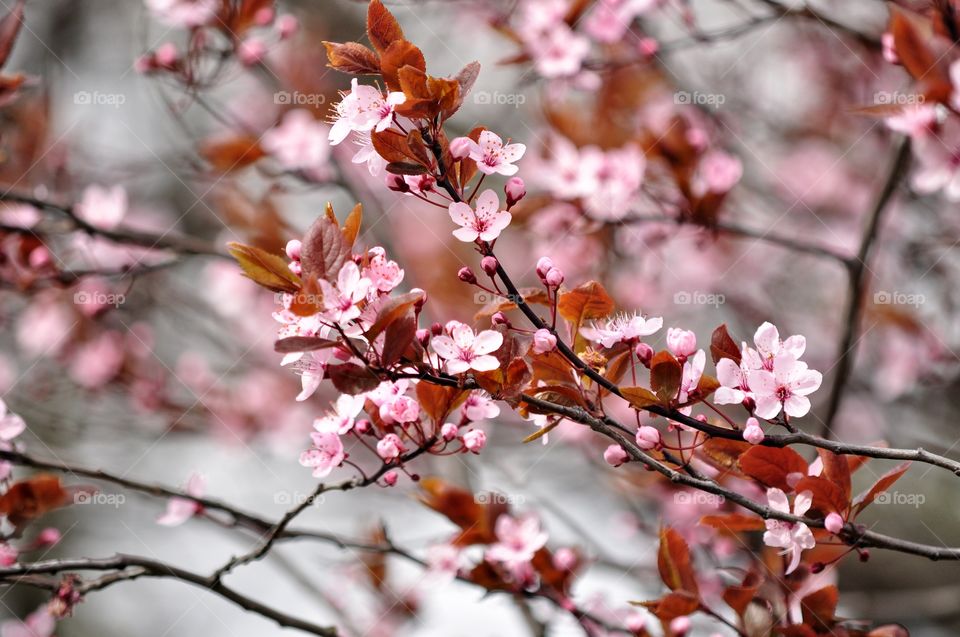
(515, 190)
(466, 275)
(460, 147)
(489, 265)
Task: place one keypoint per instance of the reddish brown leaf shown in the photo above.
(352, 57)
(233, 153)
(438, 401)
(392, 310)
(352, 379)
(324, 250)
(640, 397)
(666, 374)
(674, 562)
(351, 227)
(382, 28)
(770, 466)
(393, 147)
(885, 482)
(723, 346)
(723, 453)
(819, 608)
(738, 597)
(29, 499)
(836, 469)
(397, 338)
(587, 301)
(399, 54)
(827, 496)
(733, 522)
(269, 270)
(672, 605)
(302, 344)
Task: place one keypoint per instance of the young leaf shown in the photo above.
(382, 28)
(351, 227)
(640, 397)
(674, 562)
(352, 379)
(819, 609)
(324, 250)
(770, 466)
(352, 57)
(588, 301)
(885, 482)
(723, 346)
(399, 54)
(302, 344)
(666, 374)
(268, 270)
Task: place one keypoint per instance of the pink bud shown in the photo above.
(449, 431)
(544, 265)
(251, 51)
(565, 559)
(362, 426)
(644, 354)
(263, 16)
(648, 47)
(648, 437)
(294, 246)
(422, 300)
(752, 433)
(390, 447)
(833, 523)
(544, 341)
(635, 622)
(436, 329)
(166, 54)
(680, 626)
(460, 147)
(489, 265)
(144, 64)
(39, 257)
(681, 342)
(499, 318)
(466, 275)
(889, 49)
(554, 277)
(287, 25)
(614, 455)
(390, 478)
(515, 189)
(49, 536)
(8, 555)
(475, 440)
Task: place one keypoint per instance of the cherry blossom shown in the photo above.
(367, 154)
(390, 447)
(444, 561)
(614, 455)
(610, 19)
(479, 406)
(792, 537)
(544, 341)
(833, 522)
(622, 328)
(558, 51)
(753, 433)
(346, 409)
(11, 425)
(690, 379)
(384, 274)
(787, 386)
(325, 455)
(312, 368)
(475, 440)
(363, 109)
(464, 350)
(717, 172)
(179, 510)
(610, 180)
(518, 539)
(341, 302)
(39, 623)
(648, 437)
(486, 223)
(681, 342)
(493, 156)
(938, 168)
(184, 13)
(299, 142)
(103, 207)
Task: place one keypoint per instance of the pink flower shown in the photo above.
(40, 623)
(103, 207)
(384, 275)
(340, 302)
(717, 172)
(733, 383)
(179, 510)
(622, 328)
(449, 431)
(648, 437)
(98, 360)
(681, 342)
(460, 147)
(325, 455)
(492, 156)
(184, 13)
(792, 537)
(346, 409)
(609, 180)
(8, 555)
(463, 350)
(690, 379)
(475, 440)
(479, 406)
(914, 120)
(485, 224)
(558, 51)
(680, 626)
(565, 559)
(312, 368)
(937, 166)
(610, 19)
(390, 447)
(544, 341)
(363, 109)
(614, 455)
(390, 478)
(444, 561)
(11, 425)
(833, 522)
(752, 433)
(518, 539)
(299, 142)
(787, 386)
(251, 51)
(515, 189)
(368, 155)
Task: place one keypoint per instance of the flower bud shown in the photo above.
(251, 51)
(390, 447)
(362, 426)
(466, 275)
(499, 318)
(390, 478)
(648, 47)
(396, 183)
(554, 277)
(544, 341)
(515, 189)
(644, 354)
(681, 342)
(263, 16)
(565, 559)
(833, 523)
(49, 536)
(436, 329)
(614, 455)
(680, 626)
(287, 25)
(293, 249)
(864, 555)
(475, 440)
(449, 431)
(418, 305)
(489, 265)
(544, 265)
(752, 433)
(423, 336)
(648, 437)
(166, 55)
(460, 147)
